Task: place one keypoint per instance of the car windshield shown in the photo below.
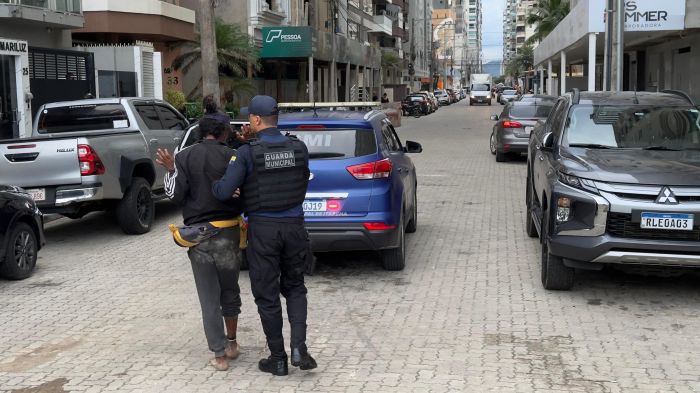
(480, 87)
(530, 111)
(642, 127)
(415, 98)
(336, 143)
(509, 92)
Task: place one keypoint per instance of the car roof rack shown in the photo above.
(340, 105)
(680, 94)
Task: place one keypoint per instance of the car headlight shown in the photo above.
(577, 182)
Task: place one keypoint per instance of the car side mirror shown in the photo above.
(548, 142)
(494, 117)
(413, 147)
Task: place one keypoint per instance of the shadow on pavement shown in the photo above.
(101, 223)
(342, 264)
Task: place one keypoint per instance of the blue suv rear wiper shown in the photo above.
(326, 155)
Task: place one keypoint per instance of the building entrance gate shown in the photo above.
(9, 124)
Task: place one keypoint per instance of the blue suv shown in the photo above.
(362, 190)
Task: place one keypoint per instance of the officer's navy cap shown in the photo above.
(260, 106)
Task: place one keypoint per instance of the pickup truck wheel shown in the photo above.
(555, 276)
(530, 227)
(395, 258)
(136, 210)
(20, 254)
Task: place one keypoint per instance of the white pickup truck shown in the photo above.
(93, 155)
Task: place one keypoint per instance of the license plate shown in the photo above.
(38, 194)
(315, 206)
(667, 221)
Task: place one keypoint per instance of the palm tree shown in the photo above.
(546, 15)
(235, 50)
(522, 62)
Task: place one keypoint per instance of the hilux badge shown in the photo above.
(666, 197)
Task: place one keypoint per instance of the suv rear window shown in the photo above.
(83, 118)
(337, 143)
(530, 111)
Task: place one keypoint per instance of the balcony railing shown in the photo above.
(67, 6)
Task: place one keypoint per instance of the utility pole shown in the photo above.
(210, 62)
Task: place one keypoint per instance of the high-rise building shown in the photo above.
(462, 50)
(516, 31)
(473, 27)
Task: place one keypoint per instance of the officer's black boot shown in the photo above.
(302, 359)
(276, 364)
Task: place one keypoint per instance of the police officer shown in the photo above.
(273, 172)
(212, 231)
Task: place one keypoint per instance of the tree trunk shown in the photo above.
(210, 62)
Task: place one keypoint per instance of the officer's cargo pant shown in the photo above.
(216, 263)
(277, 254)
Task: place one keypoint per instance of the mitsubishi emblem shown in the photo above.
(667, 197)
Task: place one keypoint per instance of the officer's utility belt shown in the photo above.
(192, 235)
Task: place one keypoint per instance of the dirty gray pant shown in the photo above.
(216, 263)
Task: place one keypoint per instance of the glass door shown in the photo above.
(9, 127)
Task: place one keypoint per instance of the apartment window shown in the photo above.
(472, 26)
(472, 18)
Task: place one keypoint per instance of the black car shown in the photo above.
(415, 105)
(21, 233)
(614, 178)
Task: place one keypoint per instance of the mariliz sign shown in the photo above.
(647, 15)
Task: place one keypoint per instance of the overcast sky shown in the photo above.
(492, 29)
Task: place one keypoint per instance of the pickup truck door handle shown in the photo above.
(21, 157)
(153, 141)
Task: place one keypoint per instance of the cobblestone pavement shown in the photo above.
(109, 312)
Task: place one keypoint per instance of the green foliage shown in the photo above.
(522, 62)
(391, 61)
(194, 110)
(234, 50)
(546, 15)
(499, 79)
(237, 89)
(176, 98)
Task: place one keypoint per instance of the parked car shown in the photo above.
(615, 179)
(362, 193)
(21, 233)
(93, 155)
(453, 96)
(443, 97)
(415, 105)
(432, 104)
(507, 96)
(434, 101)
(512, 130)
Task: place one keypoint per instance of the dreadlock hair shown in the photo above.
(211, 126)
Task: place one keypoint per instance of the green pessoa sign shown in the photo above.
(286, 42)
